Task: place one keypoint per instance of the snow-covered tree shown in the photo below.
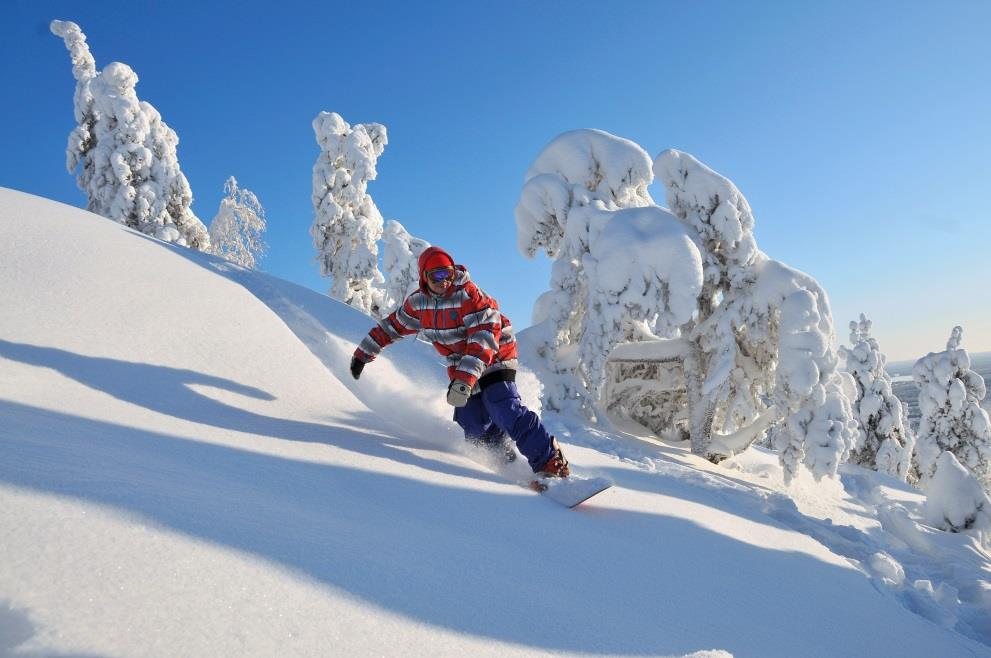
(571, 192)
(644, 275)
(956, 501)
(400, 255)
(886, 443)
(750, 330)
(818, 429)
(347, 224)
(236, 231)
(723, 223)
(763, 333)
(952, 419)
(124, 153)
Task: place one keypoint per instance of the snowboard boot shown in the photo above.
(557, 465)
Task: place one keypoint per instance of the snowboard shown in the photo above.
(571, 491)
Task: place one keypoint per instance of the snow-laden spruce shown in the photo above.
(400, 254)
(952, 418)
(347, 223)
(124, 153)
(236, 232)
(956, 501)
(747, 329)
(886, 443)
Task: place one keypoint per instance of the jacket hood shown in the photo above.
(461, 273)
(431, 253)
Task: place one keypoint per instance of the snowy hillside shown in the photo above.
(187, 469)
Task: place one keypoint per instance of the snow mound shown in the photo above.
(956, 501)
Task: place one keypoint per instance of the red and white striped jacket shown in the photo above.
(464, 325)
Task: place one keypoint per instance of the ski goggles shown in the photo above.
(440, 274)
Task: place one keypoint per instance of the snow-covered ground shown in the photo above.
(187, 469)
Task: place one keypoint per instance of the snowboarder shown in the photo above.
(466, 327)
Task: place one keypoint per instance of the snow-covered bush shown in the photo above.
(952, 419)
(347, 224)
(400, 254)
(886, 443)
(125, 154)
(236, 231)
(956, 501)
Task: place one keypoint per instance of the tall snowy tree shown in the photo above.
(236, 232)
(400, 255)
(952, 419)
(347, 224)
(886, 443)
(124, 152)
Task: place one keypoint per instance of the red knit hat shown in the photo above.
(432, 258)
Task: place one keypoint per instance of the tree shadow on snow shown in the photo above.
(776, 510)
(515, 568)
(169, 391)
(677, 475)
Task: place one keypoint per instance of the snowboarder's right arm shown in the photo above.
(404, 321)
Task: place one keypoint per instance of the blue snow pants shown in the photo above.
(498, 410)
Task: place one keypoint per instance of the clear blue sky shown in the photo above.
(859, 132)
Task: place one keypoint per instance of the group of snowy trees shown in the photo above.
(127, 165)
(950, 455)
(754, 336)
(675, 319)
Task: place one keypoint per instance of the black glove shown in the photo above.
(457, 393)
(356, 367)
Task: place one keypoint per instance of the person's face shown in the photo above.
(440, 279)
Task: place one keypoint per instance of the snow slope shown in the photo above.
(187, 469)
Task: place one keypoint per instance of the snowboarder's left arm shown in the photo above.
(404, 321)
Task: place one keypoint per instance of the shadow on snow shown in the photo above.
(600, 581)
